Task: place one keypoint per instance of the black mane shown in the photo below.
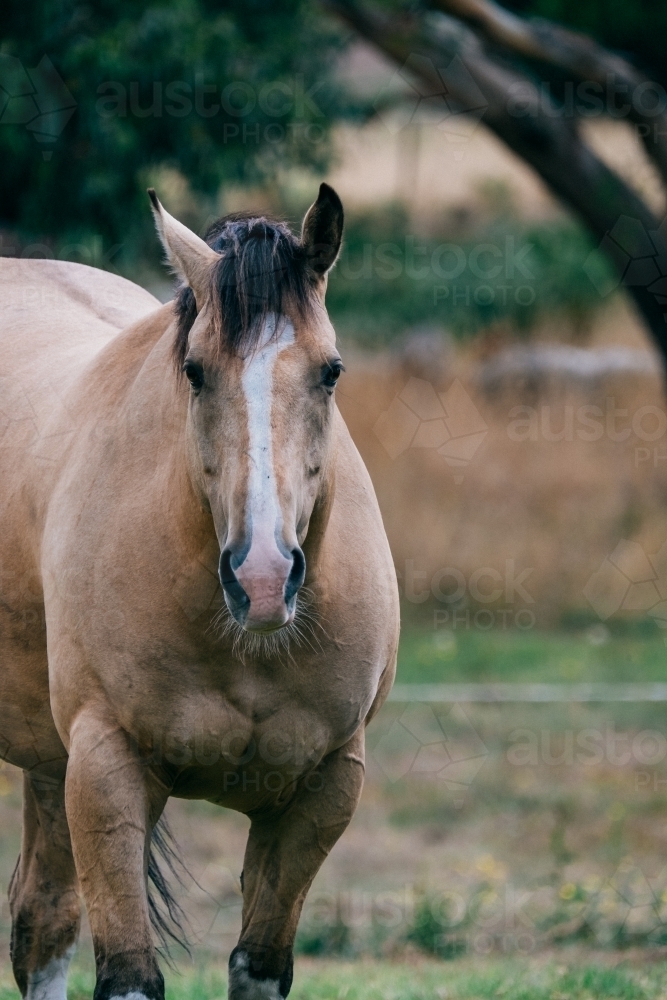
(262, 269)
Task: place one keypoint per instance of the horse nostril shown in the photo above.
(230, 584)
(261, 592)
(296, 577)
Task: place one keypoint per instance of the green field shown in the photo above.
(589, 654)
(540, 979)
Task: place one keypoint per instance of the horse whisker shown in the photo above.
(299, 633)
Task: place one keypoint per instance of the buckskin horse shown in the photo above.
(197, 597)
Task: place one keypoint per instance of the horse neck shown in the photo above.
(153, 402)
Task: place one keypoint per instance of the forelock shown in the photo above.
(262, 269)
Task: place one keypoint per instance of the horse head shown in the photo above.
(256, 346)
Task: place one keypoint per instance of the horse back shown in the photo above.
(55, 318)
(56, 315)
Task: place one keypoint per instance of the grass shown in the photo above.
(587, 655)
(555, 847)
(513, 980)
(551, 978)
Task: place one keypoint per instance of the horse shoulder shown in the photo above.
(58, 320)
(358, 563)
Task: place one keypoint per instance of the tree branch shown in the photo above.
(516, 112)
(575, 54)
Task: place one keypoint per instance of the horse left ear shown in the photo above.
(322, 231)
(190, 257)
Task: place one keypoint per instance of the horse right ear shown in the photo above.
(188, 255)
(322, 231)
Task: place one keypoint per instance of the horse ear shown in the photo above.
(322, 231)
(190, 257)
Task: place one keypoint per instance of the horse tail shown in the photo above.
(168, 918)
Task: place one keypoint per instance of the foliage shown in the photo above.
(223, 94)
(503, 270)
(605, 914)
(434, 931)
(325, 939)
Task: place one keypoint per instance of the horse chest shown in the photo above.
(247, 758)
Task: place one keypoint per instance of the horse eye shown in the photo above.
(194, 374)
(331, 374)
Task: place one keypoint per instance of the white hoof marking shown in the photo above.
(50, 983)
(133, 995)
(242, 986)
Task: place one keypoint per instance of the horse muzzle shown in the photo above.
(260, 589)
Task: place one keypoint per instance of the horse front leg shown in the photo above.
(43, 895)
(112, 804)
(282, 857)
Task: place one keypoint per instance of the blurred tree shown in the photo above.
(97, 98)
(93, 96)
(533, 82)
(636, 29)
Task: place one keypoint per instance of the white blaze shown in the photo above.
(257, 380)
